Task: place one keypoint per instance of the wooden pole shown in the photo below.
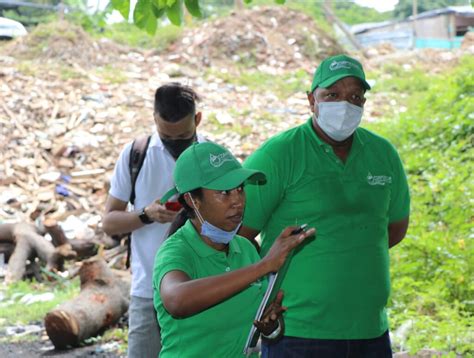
(333, 18)
(414, 14)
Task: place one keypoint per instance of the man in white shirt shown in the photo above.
(176, 121)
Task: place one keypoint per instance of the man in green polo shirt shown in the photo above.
(350, 185)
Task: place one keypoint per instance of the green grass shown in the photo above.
(119, 335)
(283, 86)
(27, 68)
(394, 78)
(128, 34)
(67, 73)
(111, 74)
(20, 313)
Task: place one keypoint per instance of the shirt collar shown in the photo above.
(191, 236)
(155, 141)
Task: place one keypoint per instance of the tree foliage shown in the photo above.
(351, 13)
(147, 12)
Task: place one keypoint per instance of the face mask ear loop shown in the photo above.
(315, 105)
(198, 214)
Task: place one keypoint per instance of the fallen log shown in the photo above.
(103, 299)
(6, 248)
(83, 248)
(28, 245)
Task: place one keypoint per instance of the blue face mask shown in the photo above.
(215, 234)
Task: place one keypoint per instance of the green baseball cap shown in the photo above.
(332, 69)
(211, 166)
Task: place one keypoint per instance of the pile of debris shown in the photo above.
(260, 37)
(433, 61)
(64, 42)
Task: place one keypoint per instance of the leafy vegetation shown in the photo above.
(128, 34)
(432, 269)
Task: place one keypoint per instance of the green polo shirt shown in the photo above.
(337, 284)
(219, 331)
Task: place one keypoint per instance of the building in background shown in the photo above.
(440, 28)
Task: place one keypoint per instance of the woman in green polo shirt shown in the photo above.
(207, 281)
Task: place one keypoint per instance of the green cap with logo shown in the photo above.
(332, 69)
(211, 166)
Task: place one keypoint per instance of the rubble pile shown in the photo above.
(260, 37)
(66, 43)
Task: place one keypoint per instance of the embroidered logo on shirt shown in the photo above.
(217, 160)
(378, 179)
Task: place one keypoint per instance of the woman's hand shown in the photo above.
(275, 258)
(271, 316)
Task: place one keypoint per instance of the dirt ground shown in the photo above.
(45, 349)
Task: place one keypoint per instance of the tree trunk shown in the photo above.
(83, 248)
(103, 299)
(29, 244)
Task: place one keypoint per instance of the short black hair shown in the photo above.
(174, 101)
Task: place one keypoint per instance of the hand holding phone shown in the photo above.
(173, 206)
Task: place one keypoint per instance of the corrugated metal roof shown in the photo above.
(459, 10)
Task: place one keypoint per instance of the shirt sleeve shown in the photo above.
(121, 183)
(172, 256)
(263, 199)
(400, 197)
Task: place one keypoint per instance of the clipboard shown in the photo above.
(274, 283)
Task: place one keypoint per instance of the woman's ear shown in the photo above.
(192, 203)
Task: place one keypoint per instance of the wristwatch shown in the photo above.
(144, 218)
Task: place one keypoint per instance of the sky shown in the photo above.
(380, 5)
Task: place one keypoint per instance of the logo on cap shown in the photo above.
(217, 160)
(337, 65)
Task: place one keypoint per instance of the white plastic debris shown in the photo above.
(30, 298)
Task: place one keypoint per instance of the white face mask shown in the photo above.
(339, 119)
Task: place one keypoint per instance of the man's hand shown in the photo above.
(159, 213)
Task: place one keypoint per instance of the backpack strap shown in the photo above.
(137, 157)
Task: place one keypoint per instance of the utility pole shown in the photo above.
(414, 15)
(333, 18)
(61, 10)
(238, 5)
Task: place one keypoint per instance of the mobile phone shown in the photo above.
(299, 229)
(173, 206)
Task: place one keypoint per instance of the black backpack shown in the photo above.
(137, 157)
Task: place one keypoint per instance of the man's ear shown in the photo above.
(311, 100)
(197, 118)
